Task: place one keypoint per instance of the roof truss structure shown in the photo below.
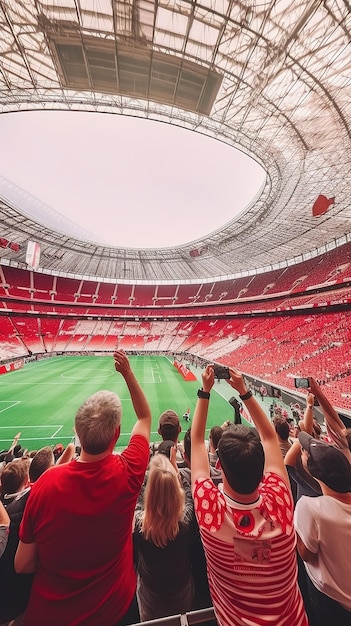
(270, 77)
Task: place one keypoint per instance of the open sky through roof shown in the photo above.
(129, 181)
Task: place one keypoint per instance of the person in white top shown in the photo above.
(323, 527)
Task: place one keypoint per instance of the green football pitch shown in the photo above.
(41, 400)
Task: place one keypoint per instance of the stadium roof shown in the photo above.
(271, 78)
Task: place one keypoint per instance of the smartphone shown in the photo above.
(302, 383)
(221, 371)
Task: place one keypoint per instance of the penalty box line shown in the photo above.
(21, 428)
(10, 404)
(63, 438)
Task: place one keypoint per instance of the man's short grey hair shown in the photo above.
(97, 421)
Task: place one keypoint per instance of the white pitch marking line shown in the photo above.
(56, 431)
(40, 426)
(13, 403)
(38, 438)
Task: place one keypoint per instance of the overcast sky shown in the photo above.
(129, 181)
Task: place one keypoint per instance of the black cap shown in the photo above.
(327, 463)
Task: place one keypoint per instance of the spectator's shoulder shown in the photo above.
(204, 484)
(274, 482)
(139, 441)
(138, 449)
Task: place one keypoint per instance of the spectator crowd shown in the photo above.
(255, 521)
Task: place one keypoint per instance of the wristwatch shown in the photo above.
(203, 394)
(246, 395)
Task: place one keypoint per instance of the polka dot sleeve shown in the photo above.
(209, 505)
(277, 501)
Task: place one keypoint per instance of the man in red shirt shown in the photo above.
(76, 532)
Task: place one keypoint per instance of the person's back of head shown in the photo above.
(15, 476)
(18, 451)
(216, 433)
(282, 428)
(43, 459)
(327, 463)
(169, 425)
(241, 456)
(97, 421)
(164, 501)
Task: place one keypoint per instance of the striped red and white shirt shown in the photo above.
(251, 556)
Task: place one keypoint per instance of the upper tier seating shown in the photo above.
(332, 268)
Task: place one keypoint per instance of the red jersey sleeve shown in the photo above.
(209, 504)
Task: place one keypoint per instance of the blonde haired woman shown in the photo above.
(163, 531)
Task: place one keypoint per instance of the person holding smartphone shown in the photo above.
(246, 526)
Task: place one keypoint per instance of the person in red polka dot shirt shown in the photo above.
(246, 523)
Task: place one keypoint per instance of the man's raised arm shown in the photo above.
(200, 467)
(308, 414)
(15, 442)
(140, 403)
(335, 426)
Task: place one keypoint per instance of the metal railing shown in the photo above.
(186, 619)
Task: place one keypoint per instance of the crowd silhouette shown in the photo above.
(254, 521)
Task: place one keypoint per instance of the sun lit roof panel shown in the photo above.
(171, 22)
